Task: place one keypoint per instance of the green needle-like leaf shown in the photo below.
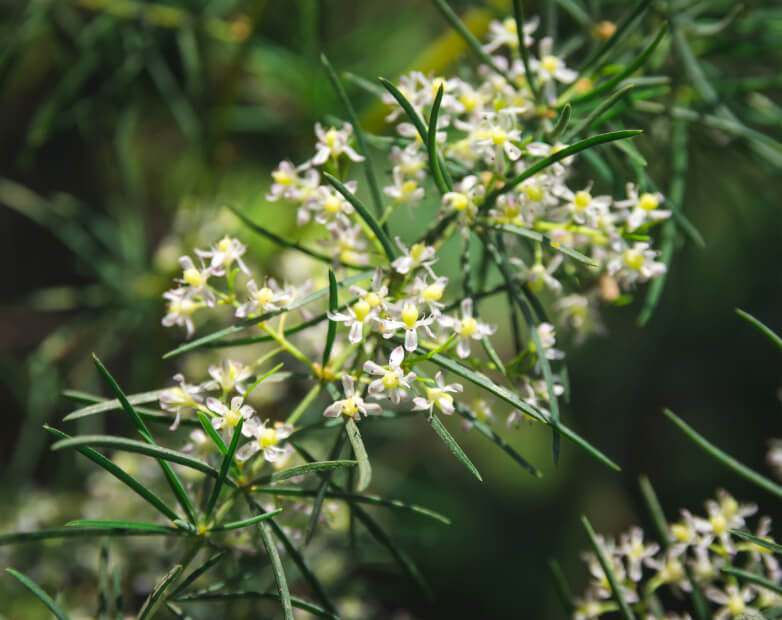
(431, 144)
(332, 327)
(626, 72)
(767, 544)
(601, 109)
(206, 424)
(301, 470)
(753, 578)
(555, 157)
(83, 532)
(152, 528)
(453, 446)
(364, 468)
(173, 480)
(562, 121)
(320, 494)
(233, 329)
(235, 525)
(220, 597)
(608, 570)
(724, 458)
(621, 28)
(112, 405)
(414, 117)
(139, 447)
(374, 500)
(764, 329)
(187, 581)
(373, 224)
(469, 37)
(518, 14)
(361, 143)
(157, 596)
(541, 238)
(39, 592)
(561, 585)
(279, 572)
(228, 459)
(121, 475)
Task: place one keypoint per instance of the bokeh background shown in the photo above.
(124, 130)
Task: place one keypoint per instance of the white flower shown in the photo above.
(393, 382)
(359, 314)
(410, 161)
(411, 321)
(268, 298)
(550, 67)
(582, 206)
(481, 412)
(229, 375)
(548, 338)
(224, 253)
(733, 600)
(774, 456)
(404, 189)
(228, 416)
(466, 328)
(506, 33)
(197, 279)
(347, 243)
(631, 264)
(415, 256)
(288, 184)
(493, 135)
(377, 297)
(180, 306)
(724, 515)
(352, 405)
(439, 394)
(332, 143)
(265, 438)
(178, 398)
(428, 293)
(632, 545)
(642, 208)
(539, 276)
(327, 204)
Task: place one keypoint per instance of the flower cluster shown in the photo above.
(701, 549)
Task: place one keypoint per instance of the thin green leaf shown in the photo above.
(364, 468)
(493, 357)
(562, 121)
(332, 327)
(767, 544)
(764, 329)
(282, 241)
(206, 424)
(541, 238)
(487, 432)
(561, 586)
(623, 25)
(431, 144)
(608, 570)
(453, 446)
(112, 405)
(219, 597)
(139, 447)
(627, 71)
(364, 84)
(121, 475)
(361, 143)
(301, 470)
(83, 532)
(320, 494)
(39, 592)
(187, 581)
(279, 572)
(555, 157)
(199, 342)
(152, 528)
(603, 107)
(724, 458)
(228, 459)
(512, 399)
(157, 596)
(469, 38)
(397, 553)
(373, 224)
(753, 578)
(361, 498)
(518, 14)
(235, 525)
(414, 117)
(173, 480)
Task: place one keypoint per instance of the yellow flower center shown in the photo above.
(232, 417)
(510, 26)
(459, 202)
(410, 315)
(268, 438)
(497, 135)
(350, 406)
(672, 571)
(361, 309)
(184, 307)
(537, 283)
(636, 550)
(283, 178)
(331, 137)
(729, 507)
(193, 277)
(736, 604)
(512, 211)
(582, 200)
(417, 250)
(681, 532)
(549, 63)
(332, 205)
(390, 379)
(435, 394)
(373, 299)
(534, 192)
(408, 187)
(469, 101)
(719, 524)
(224, 245)
(648, 202)
(264, 296)
(433, 292)
(468, 326)
(634, 259)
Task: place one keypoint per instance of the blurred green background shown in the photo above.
(124, 125)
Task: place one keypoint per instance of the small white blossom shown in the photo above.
(467, 328)
(734, 602)
(265, 438)
(229, 416)
(197, 279)
(177, 399)
(439, 394)
(332, 143)
(290, 185)
(393, 383)
(641, 208)
(416, 255)
(229, 375)
(353, 405)
(410, 320)
(268, 298)
(550, 67)
(224, 253)
(180, 306)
